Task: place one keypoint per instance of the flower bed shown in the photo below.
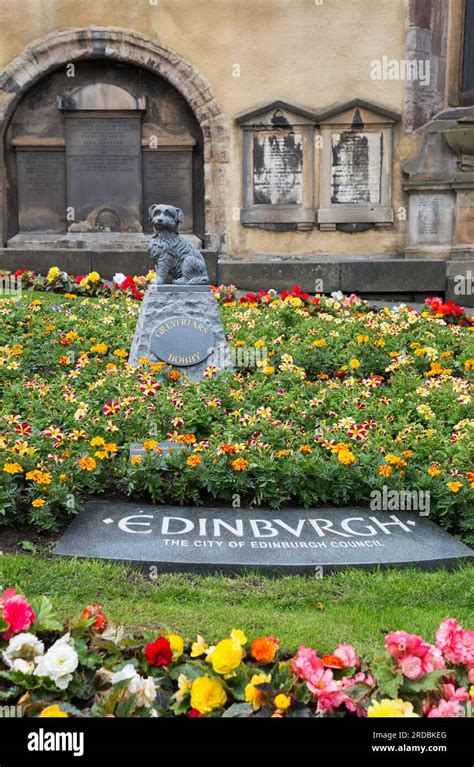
(92, 668)
(340, 400)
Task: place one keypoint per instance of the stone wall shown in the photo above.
(226, 58)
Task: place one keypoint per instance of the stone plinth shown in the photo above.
(189, 316)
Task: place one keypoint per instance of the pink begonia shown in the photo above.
(414, 656)
(347, 654)
(306, 662)
(455, 642)
(16, 611)
(445, 709)
(320, 680)
(450, 692)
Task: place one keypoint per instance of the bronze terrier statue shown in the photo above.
(172, 254)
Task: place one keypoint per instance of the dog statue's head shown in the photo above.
(165, 217)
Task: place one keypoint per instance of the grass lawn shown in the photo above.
(354, 606)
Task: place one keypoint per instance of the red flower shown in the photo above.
(95, 611)
(332, 661)
(193, 713)
(159, 652)
(79, 278)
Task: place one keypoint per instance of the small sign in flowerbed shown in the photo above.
(331, 401)
(92, 668)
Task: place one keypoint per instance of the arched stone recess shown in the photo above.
(115, 44)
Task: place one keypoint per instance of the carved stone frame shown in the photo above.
(271, 118)
(69, 45)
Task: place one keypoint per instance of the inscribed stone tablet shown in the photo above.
(103, 157)
(182, 341)
(168, 178)
(356, 168)
(277, 168)
(430, 219)
(41, 190)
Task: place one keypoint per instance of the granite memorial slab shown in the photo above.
(103, 162)
(205, 540)
(181, 325)
(41, 190)
(168, 175)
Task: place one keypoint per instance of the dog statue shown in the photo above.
(172, 254)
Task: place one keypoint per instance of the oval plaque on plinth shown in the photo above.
(182, 341)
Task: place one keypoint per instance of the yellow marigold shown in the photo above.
(99, 348)
(362, 339)
(454, 486)
(97, 441)
(41, 477)
(252, 693)
(346, 457)
(207, 694)
(268, 370)
(389, 708)
(354, 363)
(319, 342)
(87, 463)
(394, 460)
(259, 343)
(135, 459)
(469, 364)
(226, 656)
(120, 353)
(384, 470)
(282, 701)
(177, 645)
(93, 277)
(149, 444)
(12, 468)
(434, 470)
(38, 503)
(70, 295)
(62, 477)
(53, 712)
(239, 464)
(305, 449)
(194, 460)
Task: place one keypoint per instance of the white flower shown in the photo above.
(23, 646)
(143, 687)
(337, 295)
(119, 278)
(59, 662)
(25, 666)
(127, 672)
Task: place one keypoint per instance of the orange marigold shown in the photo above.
(239, 464)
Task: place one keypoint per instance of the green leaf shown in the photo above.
(45, 621)
(388, 681)
(238, 684)
(425, 683)
(86, 657)
(3, 625)
(238, 710)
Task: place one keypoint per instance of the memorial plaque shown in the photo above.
(41, 190)
(182, 341)
(278, 168)
(168, 178)
(313, 541)
(356, 167)
(103, 156)
(431, 219)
